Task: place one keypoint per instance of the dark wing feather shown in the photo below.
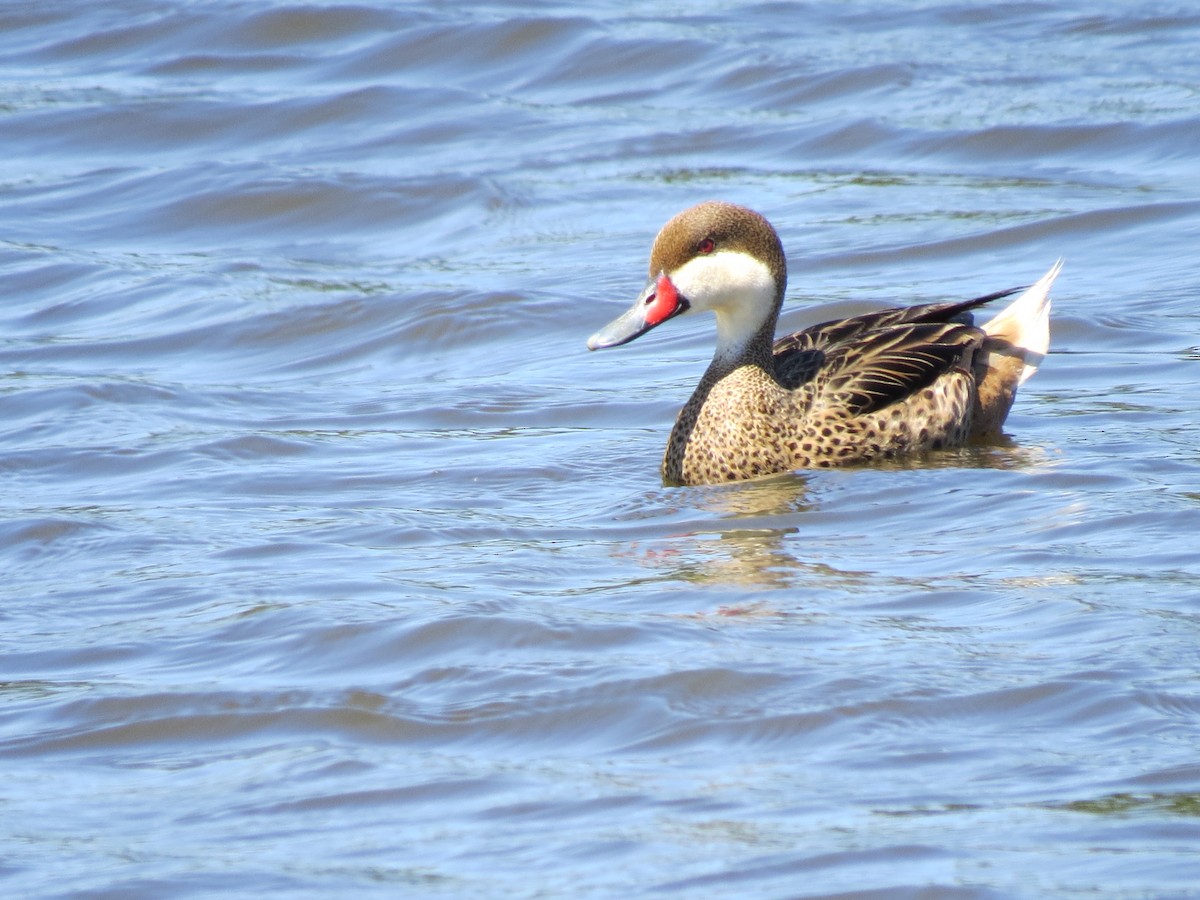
(800, 356)
(893, 363)
(795, 366)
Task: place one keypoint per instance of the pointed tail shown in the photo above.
(1024, 325)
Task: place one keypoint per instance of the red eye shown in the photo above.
(706, 246)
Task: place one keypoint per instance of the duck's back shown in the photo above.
(883, 384)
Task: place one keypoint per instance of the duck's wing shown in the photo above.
(800, 356)
(890, 364)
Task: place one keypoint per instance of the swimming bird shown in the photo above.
(897, 381)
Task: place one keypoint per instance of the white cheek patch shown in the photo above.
(723, 279)
(734, 285)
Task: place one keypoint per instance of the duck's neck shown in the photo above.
(745, 336)
(739, 378)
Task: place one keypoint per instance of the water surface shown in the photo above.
(334, 564)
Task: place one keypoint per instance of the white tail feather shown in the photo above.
(1025, 323)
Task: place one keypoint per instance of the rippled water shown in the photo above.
(335, 565)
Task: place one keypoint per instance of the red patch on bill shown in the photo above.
(665, 302)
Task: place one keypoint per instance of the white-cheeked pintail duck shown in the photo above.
(897, 381)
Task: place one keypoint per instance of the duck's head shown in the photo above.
(715, 256)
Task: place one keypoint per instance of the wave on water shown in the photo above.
(335, 563)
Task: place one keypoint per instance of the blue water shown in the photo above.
(335, 565)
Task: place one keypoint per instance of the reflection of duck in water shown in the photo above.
(873, 386)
